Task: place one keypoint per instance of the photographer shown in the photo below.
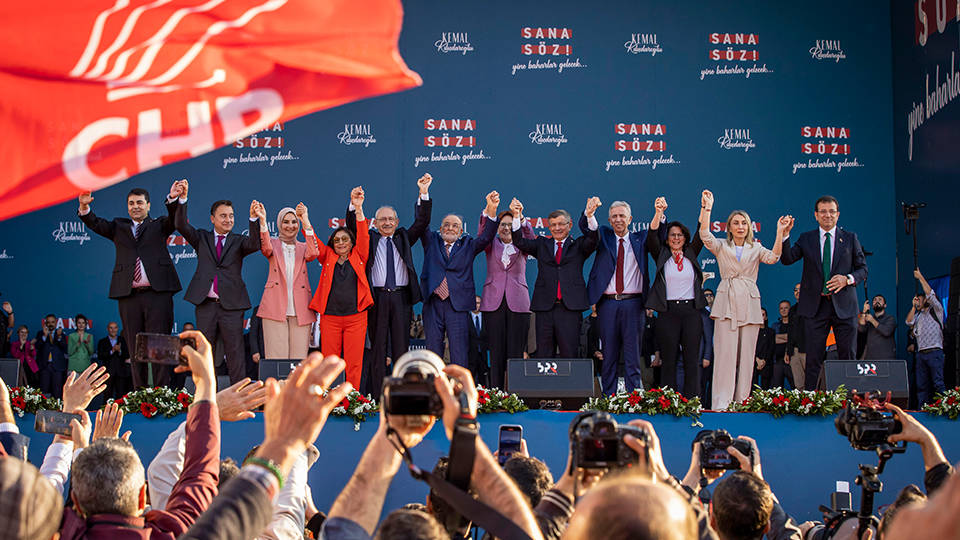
(926, 321)
(355, 512)
(937, 468)
(879, 328)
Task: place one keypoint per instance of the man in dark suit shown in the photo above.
(217, 287)
(833, 263)
(479, 346)
(559, 294)
(51, 343)
(393, 281)
(706, 348)
(618, 284)
(144, 277)
(113, 353)
(446, 281)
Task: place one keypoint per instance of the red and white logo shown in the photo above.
(455, 138)
(733, 54)
(640, 144)
(546, 49)
(830, 145)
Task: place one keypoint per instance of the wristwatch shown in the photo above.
(850, 280)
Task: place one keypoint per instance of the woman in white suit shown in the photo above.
(736, 307)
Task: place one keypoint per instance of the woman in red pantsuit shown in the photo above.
(343, 294)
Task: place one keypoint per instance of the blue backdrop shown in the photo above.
(735, 97)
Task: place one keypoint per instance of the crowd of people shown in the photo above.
(663, 329)
(187, 491)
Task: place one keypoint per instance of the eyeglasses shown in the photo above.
(341, 240)
(827, 212)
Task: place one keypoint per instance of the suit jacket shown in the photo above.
(657, 246)
(479, 342)
(706, 342)
(116, 362)
(404, 239)
(357, 259)
(14, 445)
(191, 496)
(605, 263)
(510, 281)
(568, 272)
(737, 298)
(55, 346)
(273, 304)
(228, 268)
(151, 249)
(457, 268)
(847, 259)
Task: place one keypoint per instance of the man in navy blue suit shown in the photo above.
(446, 281)
(833, 263)
(618, 284)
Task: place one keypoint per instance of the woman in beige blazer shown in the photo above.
(736, 307)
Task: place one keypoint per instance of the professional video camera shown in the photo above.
(410, 389)
(867, 426)
(596, 442)
(713, 449)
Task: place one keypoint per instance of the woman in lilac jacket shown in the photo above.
(505, 301)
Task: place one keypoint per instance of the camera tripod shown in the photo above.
(870, 484)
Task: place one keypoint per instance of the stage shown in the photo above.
(802, 458)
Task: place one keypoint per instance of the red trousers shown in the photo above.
(344, 336)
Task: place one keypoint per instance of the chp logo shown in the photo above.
(265, 146)
(455, 140)
(738, 52)
(453, 42)
(736, 139)
(546, 49)
(638, 143)
(357, 134)
(548, 134)
(827, 49)
(71, 231)
(830, 145)
(643, 44)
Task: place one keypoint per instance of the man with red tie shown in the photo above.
(560, 294)
(617, 286)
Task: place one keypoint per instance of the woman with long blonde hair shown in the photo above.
(736, 306)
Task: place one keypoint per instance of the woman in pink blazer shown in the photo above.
(284, 306)
(505, 301)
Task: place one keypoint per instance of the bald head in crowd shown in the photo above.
(31, 506)
(632, 509)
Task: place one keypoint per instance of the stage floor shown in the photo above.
(802, 458)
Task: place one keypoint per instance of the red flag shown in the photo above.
(93, 92)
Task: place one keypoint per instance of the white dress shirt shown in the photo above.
(144, 281)
(679, 282)
(378, 274)
(289, 263)
(632, 284)
(211, 293)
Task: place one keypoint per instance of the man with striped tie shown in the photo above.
(144, 278)
(446, 281)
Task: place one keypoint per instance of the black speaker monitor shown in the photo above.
(10, 371)
(564, 383)
(280, 368)
(869, 375)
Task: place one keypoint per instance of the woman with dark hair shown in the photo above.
(284, 307)
(79, 346)
(343, 294)
(505, 300)
(736, 309)
(23, 349)
(677, 295)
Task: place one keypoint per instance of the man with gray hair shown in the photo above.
(393, 282)
(618, 284)
(109, 493)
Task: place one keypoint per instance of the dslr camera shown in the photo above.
(713, 449)
(596, 442)
(410, 389)
(865, 424)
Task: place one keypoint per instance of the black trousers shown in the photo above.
(558, 328)
(151, 311)
(507, 336)
(680, 324)
(226, 324)
(817, 330)
(388, 326)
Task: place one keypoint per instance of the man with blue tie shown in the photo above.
(833, 263)
(446, 281)
(618, 284)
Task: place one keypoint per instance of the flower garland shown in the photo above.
(652, 402)
(494, 400)
(153, 401)
(25, 399)
(945, 404)
(779, 402)
(356, 406)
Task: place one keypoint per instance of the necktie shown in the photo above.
(826, 262)
(390, 282)
(476, 321)
(559, 255)
(138, 266)
(216, 288)
(443, 291)
(620, 267)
